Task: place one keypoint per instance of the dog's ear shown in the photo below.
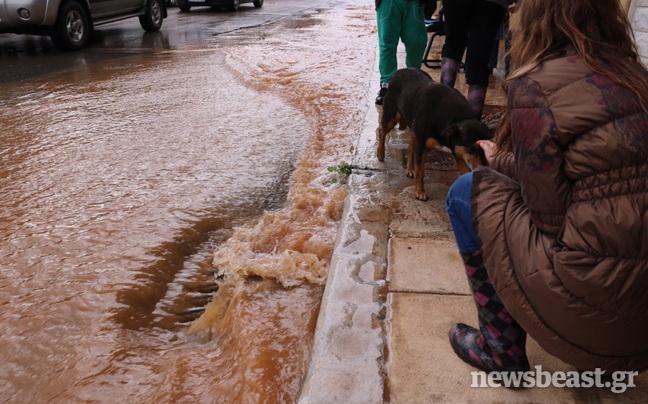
(451, 131)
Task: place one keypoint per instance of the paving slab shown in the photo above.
(414, 218)
(424, 369)
(426, 265)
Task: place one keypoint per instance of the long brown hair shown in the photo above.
(598, 30)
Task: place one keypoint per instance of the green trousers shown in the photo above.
(400, 19)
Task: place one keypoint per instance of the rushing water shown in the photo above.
(134, 189)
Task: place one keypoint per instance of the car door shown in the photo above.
(130, 5)
(113, 8)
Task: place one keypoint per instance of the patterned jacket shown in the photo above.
(563, 222)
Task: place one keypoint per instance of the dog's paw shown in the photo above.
(380, 154)
(409, 174)
(421, 196)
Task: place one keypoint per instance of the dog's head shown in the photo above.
(462, 138)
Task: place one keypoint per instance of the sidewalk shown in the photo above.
(396, 286)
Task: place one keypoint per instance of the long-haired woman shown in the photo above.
(554, 233)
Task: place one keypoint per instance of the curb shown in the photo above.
(347, 359)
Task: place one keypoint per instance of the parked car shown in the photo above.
(185, 5)
(70, 22)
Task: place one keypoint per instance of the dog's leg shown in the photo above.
(386, 126)
(410, 157)
(419, 169)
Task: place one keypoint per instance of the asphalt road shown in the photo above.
(26, 56)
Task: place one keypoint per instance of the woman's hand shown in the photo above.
(489, 149)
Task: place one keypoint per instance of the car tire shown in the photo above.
(184, 7)
(152, 19)
(235, 5)
(72, 29)
(258, 3)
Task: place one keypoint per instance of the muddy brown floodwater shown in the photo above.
(132, 190)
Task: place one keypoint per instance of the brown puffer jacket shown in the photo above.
(565, 241)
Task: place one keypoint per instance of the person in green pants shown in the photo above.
(400, 20)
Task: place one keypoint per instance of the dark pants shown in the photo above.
(472, 25)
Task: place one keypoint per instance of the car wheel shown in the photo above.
(184, 7)
(151, 21)
(72, 29)
(235, 5)
(258, 3)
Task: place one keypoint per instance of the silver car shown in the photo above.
(233, 5)
(70, 22)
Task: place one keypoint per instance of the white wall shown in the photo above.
(638, 14)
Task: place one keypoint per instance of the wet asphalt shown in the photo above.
(28, 56)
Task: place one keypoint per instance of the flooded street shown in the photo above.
(168, 218)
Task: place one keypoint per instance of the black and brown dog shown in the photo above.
(438, 116)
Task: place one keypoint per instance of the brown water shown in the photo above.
(132, 189)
